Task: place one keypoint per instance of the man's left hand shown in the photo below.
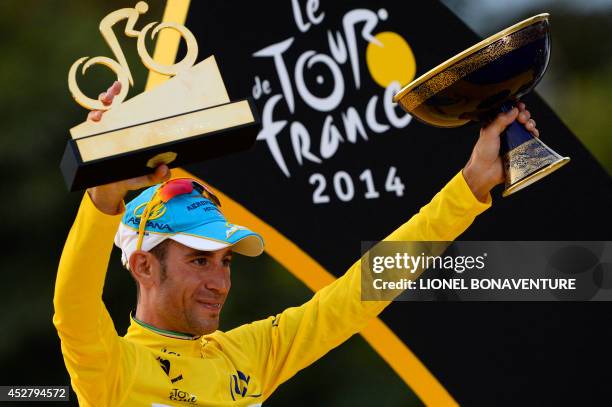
(485, 170)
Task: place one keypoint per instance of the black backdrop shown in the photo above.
(483, 353)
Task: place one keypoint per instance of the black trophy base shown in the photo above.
(80, 174)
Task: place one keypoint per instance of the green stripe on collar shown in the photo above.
(170, 334)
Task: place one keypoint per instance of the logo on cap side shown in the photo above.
(208, 206)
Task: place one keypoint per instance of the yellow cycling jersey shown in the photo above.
(242, 367)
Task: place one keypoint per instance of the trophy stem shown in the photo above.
(526, 159)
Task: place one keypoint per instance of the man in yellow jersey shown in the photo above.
(178, 246)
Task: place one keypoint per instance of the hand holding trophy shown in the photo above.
(108, 198)
(189, 118)
(480, 82)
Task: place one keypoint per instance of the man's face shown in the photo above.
(190, 297)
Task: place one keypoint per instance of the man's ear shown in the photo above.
(142, 267)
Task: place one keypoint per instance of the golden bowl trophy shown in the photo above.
(484, 80)
(189, 118)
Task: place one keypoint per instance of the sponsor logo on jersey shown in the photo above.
(239, 384)
(165, 365)
(180, 395)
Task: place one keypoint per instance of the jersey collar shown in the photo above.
(163, 332)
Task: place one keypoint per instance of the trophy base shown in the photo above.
(178, 140)
(536, 176)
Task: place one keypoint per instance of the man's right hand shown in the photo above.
(109, 198)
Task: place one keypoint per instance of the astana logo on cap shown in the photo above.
(157, 212)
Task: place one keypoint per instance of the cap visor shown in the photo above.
(219, 235)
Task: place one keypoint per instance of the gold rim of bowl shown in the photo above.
(432, 72)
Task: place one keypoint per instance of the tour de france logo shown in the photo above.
(306, 95)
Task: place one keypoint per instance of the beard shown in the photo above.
(201, 322)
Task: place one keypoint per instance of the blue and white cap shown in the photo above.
(190, 219)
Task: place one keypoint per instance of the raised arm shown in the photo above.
(88, 337)
(286, 343)
(90, 344)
